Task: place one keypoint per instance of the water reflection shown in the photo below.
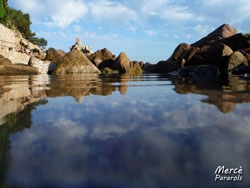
(121, 131)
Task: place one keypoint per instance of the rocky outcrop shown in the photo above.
(223, 31)
(4, 61)
(75, 62)
(43, 67)
(103, 59)
(79, 46)
(54, 55)
(223, 48)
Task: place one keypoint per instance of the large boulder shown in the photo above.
(43, 67)
(213, 54)
(5, 61)
(75, 62)
(17, 70)
(223, 31)
(122, 63)
(136, 67)
(235, 60)
(54, 55)
(102, 59)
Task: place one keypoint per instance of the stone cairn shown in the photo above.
(79, 46)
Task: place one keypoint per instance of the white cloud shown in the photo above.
(60, 12)
(112, 12)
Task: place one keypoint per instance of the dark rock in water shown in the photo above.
(102, 59)
(54, 55)
(201, 72)
(241, 70)
(235, 60)
(174, 62)
(148, 67)
(75, 62)
(223, 31)
(5, 61)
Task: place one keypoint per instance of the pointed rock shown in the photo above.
(75, 62)
(223, 31)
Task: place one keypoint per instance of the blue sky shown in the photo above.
(147, 30)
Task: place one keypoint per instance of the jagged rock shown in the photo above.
(148, 67)
(75, 62)
(17, 70)
(102, 59)
(79, 46)
(235, 60)
(54, 55)
(43, 67)
(223, 31)
(4, 61)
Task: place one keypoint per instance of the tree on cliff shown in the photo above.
(17, 20)
(2, 11)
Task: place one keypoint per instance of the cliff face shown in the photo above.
(14, 47)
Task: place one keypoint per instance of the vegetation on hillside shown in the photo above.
(17, 20)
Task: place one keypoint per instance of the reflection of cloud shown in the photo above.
(71, 128)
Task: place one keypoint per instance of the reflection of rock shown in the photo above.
(224, 96)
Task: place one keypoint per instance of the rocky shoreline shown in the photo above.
(222, 53)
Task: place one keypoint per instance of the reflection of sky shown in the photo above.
(150, 137)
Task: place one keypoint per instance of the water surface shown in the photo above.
(121, 131)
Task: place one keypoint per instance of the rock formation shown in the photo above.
(79, 46)
(75, 62)
(54, 55)
(222, 48)
(103, 59)
(223, 31)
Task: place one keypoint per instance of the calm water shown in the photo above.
(122, 131)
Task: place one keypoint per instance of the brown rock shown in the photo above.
(122, 63)
(75, 62)
(54, 55)
(223, 31)
(4, 61)
(102, 59)
(235, 60)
